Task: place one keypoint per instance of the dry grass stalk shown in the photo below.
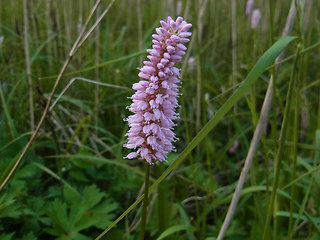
(257, 133)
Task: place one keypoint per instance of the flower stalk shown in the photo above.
(145, 203)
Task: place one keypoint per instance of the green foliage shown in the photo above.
(74, 183)
(9, 207)
(79, 212)
(173, 230)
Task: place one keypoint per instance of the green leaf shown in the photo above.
(105, 211)
(28, 236)
(186, 220)
(80, 236)
(6, 236)
(58, 214)
(79, 213)
(92, 196)
(78, 175)
(294, 215)
(70, 195)
(35, 55)
(77, 210)
(174, 229)
(9, 206)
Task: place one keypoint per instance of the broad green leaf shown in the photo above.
(78, 175)
(71, 196)
(92, 196)
(76, 212)
(59, 215)
(105, 211)
(80, 213)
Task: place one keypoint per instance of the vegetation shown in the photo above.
(73, 182)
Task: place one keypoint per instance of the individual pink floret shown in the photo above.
(155, 100)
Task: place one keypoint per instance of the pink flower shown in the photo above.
(155, 100)
(179, 6)
(249, 7)
(255, 18)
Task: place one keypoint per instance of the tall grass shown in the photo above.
(73, 183)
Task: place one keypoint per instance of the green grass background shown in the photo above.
(74, 182)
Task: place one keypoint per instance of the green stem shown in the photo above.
(295, 133)
(280, 152)
(163, 202)
(271, 19)
(145, 203)
(4, 105)
(295, 158)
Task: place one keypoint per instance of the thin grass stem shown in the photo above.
(85, 80)
(280, 151)
(98, 65)
(28, 65)
(7, 114)
(96, 61)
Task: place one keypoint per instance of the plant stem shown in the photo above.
(234, 46)
(145, 203)
(28, 65)
(296, 132)
(280, 152)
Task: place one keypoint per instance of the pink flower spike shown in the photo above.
(249, 7)
(255, 18)
(155, 101)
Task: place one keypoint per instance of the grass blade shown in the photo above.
(174, 229)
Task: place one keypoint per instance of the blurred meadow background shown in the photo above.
(73, 181)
